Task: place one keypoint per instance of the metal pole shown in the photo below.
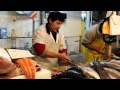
(87, 20)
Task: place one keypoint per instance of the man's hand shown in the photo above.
(64, 58)
(101, 51)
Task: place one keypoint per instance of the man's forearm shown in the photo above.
(94, 49)
(52, 54)
(61, 56)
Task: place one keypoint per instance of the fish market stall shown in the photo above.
(18, 64)
(92, 70)
(27, 68)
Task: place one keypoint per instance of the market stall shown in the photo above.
(92, 70)
(26, 68)
(18, 64)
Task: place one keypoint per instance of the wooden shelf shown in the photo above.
(16, 37)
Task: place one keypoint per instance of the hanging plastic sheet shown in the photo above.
(31, 14)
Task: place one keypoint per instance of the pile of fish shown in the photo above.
(94, 70)
(23, 66)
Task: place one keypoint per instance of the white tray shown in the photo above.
(16, 54)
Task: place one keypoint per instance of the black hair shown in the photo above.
(105, 19)
(56, 16)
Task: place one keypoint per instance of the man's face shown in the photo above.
(55, 25)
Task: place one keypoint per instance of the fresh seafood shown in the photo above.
(91, 72)
(28, 66)
(97, 66)
(114, 74)
(111, 65)
(6, 66)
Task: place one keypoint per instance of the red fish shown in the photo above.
(28, 66)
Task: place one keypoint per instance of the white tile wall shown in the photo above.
(5, 43)
(22, 26)
(72, 26)
(73, 44)
(21, 42)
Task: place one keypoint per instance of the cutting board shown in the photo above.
(60, 68)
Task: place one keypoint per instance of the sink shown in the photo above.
(78, 57)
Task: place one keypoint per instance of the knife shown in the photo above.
(74, 63)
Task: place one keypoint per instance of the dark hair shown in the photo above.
(56, 16)
(101, 24)
(105, 19)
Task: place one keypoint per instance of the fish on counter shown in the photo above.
(71, 73)
(7, 69)
(111, 65)
(77, 71)
(25, 66)
(115, 61)
(91, 72)
(28, 66)
(97, 66)
(58, 70)
(114, 74)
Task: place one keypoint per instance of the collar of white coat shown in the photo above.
(52, 38)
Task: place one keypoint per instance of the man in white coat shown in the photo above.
(49, 43)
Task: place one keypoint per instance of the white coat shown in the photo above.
(42, 37)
